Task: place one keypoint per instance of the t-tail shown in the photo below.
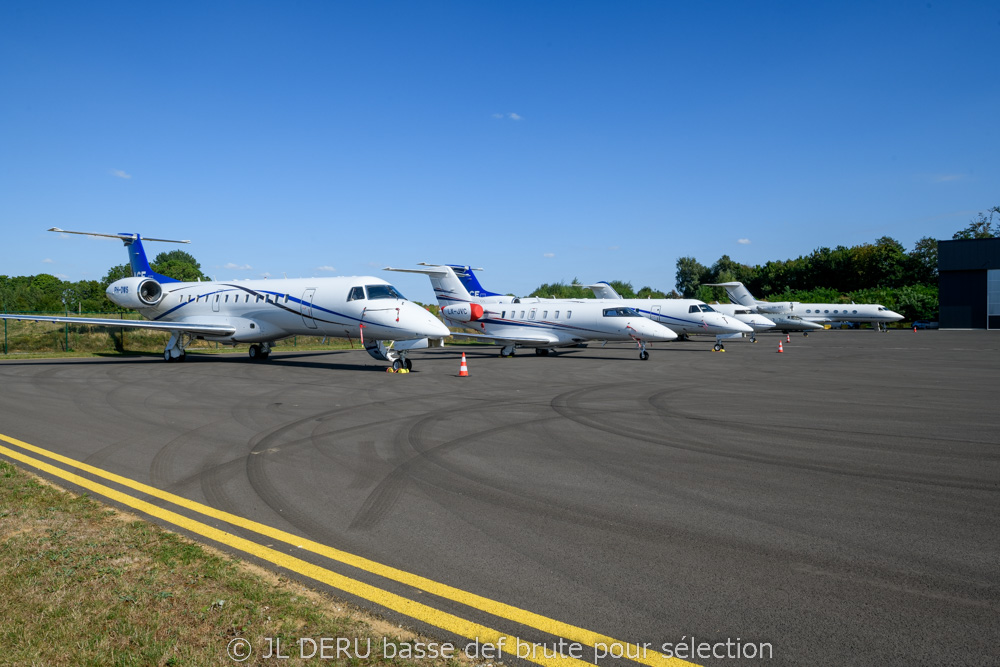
(470, 281)
(448, 287)
(738, 293)
(136, 253)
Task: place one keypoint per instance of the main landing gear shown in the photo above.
(259, 351)
(174, 351)
(542, 351)
(508, 351)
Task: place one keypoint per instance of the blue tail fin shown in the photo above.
(137, 258)
(470, 281)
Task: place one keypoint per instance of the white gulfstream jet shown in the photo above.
(689, 316)
(812, 313)
(260, 312)
(542, 324)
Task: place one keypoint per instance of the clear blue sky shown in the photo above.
(540, 140)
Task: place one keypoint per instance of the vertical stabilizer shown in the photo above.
(604, 290)
(448, 289)
(470, 281)
(138, 261)
(738, 293)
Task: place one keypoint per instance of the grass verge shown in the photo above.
(83, 584)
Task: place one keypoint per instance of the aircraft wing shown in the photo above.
(198, 328)
(533, 340)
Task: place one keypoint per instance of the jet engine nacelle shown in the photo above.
(135, 292)
(465, 312)
(782, 307)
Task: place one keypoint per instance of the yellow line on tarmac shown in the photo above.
(651, 657)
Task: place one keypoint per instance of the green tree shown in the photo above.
(179, 265)
(981, 227)
(923, 262)
(690, 274)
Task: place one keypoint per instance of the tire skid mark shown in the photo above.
(561, 405)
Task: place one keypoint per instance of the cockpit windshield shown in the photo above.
(621, 312)
(705, 308)
(383, 292)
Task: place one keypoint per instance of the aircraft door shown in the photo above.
(656, 313)
(215, 303)
(306, 307)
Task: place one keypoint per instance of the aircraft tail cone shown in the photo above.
(780, 350)
(463, 370)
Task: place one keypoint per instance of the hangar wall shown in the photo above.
(969, 283)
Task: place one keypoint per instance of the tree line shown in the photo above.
(881, 272)
(45, 293)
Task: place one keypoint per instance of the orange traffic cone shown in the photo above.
(463, 370)
(914, 330)
(788, 338)
(779, 347)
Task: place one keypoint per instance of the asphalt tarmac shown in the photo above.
(839, 501)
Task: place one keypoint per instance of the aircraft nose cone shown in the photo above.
(735, 325)
(653, 331)
(896, 317)
(422, 323)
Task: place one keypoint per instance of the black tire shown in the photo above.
(644, 355)
(717, 347)
(254, 352)
(408, 365)
(396, 365)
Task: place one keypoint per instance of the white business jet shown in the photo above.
(816, 314)
(261, 312)
(542, 324)
(685, 317)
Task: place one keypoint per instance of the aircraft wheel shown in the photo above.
(396, 365)
(408, 364)
(805, 333)
(644, 355)
(717, 347)
(254, 352)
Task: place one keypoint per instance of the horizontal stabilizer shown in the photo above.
(123, 237)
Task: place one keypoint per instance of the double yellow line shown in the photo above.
(405, 606)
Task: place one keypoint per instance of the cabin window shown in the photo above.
(357, 293)
(258, 298)
(569, 314)
(531, 314)
(227, 298)
(246, 299)
(827, 310)
(522, 314)
(503, 315)
(545, 314)
(556, 315)
(190, 298)
(286, 298)
(217, 298)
